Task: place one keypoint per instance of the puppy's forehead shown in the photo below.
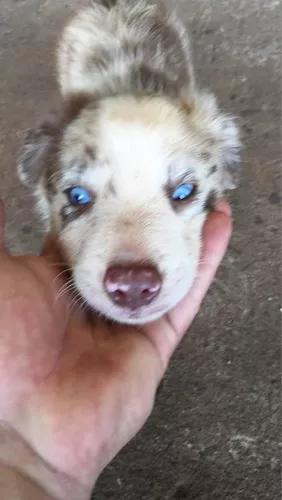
(118, 123)
(131, 139)
(148, 111)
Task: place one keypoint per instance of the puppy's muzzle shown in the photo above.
(133, 285)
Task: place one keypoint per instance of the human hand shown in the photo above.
(74, 391)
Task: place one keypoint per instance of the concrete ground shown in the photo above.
(214, 433)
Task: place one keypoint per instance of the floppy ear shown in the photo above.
(222, 130)
(38, 144)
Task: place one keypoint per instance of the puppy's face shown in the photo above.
(126, 185)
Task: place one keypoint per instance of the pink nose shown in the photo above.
(132, 286)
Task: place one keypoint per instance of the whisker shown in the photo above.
(80, 303)
(59, 263)
(75, 304)
(61, 274)
(66, 288)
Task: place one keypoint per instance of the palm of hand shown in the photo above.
(77, 391)
(69, 387)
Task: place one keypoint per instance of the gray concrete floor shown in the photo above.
(214, 433)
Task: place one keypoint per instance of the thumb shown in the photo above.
(167, 332)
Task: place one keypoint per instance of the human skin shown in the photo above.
(74, 390)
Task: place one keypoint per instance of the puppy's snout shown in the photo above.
(132, 286)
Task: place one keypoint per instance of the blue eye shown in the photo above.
(79, 196)
(183, 192)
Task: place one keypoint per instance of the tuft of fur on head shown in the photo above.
(125, 47)
(134, 126)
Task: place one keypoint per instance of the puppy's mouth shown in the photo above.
(130, 292)
(132, 295)
(137, 317)
(101, 305)
(133, 315)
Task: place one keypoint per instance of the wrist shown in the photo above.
(24, 472)
(15, 485)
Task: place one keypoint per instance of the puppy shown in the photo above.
(126, 176)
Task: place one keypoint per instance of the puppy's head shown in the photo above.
(126, 177)
(126, 183)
